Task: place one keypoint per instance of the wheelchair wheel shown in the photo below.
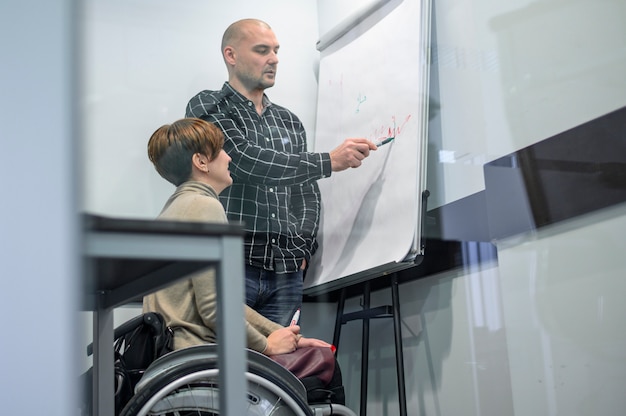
(191, 388)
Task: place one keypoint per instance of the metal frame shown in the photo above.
(184, 248)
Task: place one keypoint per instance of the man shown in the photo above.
(274, 190)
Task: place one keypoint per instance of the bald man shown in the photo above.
(274, 191)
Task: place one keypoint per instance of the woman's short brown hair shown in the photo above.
(172, 146)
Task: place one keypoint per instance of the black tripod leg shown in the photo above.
(397, 330)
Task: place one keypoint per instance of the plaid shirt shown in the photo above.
(274, 191)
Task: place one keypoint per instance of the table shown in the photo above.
(127, 258)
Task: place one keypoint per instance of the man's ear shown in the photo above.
(229, 55)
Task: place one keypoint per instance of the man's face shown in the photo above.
(256, 58)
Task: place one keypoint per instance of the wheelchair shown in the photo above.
(185, 382)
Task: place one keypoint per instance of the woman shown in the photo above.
(188, 153)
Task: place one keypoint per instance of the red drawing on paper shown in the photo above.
(390, 130)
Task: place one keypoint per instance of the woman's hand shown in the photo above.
(286, 340)
(312, 342)
(282, 340)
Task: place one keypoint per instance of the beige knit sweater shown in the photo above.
(189, 306)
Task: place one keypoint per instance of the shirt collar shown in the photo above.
(228, 90)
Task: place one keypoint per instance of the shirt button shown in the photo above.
(267, 139)
(273, 240)
(273, 215)
(271, 189)
(249, 103)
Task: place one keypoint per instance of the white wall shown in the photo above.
(144, 60)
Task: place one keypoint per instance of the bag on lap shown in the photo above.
(318, 369)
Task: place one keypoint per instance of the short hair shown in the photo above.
(172, 146)
(239, 29)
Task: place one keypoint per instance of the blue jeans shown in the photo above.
(275, 296)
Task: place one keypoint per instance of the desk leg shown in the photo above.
(230, 323)
(103, 372)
